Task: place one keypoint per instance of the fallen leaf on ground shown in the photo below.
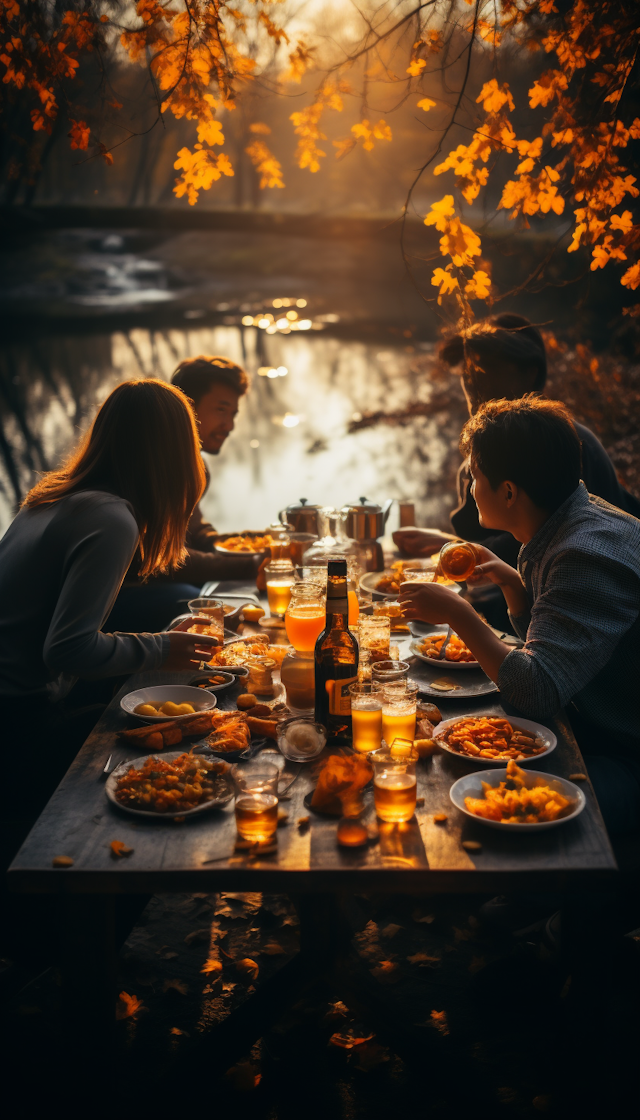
(197, 935)
(391, 930)
(346, 1040)
(472, 845)
(62, 861)
(244, 1077)
(176, 1030)
(385, 971)
(440, 818)
(248, 967)
(576, 778)
(369, 1056)
(273, 949)
(128, 1006)
(175, 986)
(229, 986)
(427, 918)
(337, 1010)
(439, 1021)
(423, 958)
(211, 966)
(303, 823)
(476, 964)
(119, 849)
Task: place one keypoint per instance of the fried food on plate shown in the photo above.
(456, 649)
(237, 653)
(247, 542)
(490, 737)
(230, 732)
(519, 805)
(160, 786)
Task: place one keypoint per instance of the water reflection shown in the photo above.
(291, 435)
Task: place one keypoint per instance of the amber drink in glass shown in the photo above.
(366, 716)
(257, 803)
(394, 781)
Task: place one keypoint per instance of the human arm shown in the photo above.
(420, 542)
(433, 603)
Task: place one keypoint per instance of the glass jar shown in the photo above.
(260, 679)
(374, 633)
(297, 674)
(208, 617)
(279, 578)
(306, 614)
(394, 781)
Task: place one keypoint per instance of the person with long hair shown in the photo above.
(129, 486)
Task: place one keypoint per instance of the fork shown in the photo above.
(444, 644)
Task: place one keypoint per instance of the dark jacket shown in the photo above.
(598, 475)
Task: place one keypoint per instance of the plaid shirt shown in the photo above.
(581, 573)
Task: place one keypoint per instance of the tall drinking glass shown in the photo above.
(366, 716)
(374, 633)
(279, 577)
(399, 699)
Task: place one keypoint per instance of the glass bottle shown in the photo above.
(336, 659)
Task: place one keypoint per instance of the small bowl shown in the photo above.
(229, 679)
(288, 751)
(202, 701)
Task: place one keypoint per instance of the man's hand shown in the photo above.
(420, 542)
(492, 569)
(187, 650)
(429, 602)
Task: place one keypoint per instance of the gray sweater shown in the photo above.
(61, 567)
(581, 573)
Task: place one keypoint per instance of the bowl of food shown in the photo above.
(456, 656)
(494, 740)
(252, 541)
(215, 681)
(160, 703)
(517, 800)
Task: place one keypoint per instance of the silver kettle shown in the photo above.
(302, 518)
(366, 521)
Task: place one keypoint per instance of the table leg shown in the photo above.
(87, 955)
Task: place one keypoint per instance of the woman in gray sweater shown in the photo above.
(131, 484)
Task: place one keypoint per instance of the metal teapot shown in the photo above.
(366, 521)
(302, 518)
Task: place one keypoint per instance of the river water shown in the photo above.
(291, 437)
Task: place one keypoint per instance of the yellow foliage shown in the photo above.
(494, 96)
(440, 213)
(266, 164)
(415, 67)
(549, 85)
(631, 278)
(426, 104)
(306, 124)
(479, 286)
(368, 132)
(200, 169)
(444, 282)
(623, 222)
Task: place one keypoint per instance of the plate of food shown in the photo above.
(234, 653)
(494, 740)
(234, 734)
(248, 540)
(167, 702)
(176, 784)
(456, 656)
(214, 682)
(386, 584)
(439, 684)
(516, 800)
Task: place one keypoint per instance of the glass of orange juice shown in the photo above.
(399, 700)
(279, 578)
(366, 716)
(306, 615)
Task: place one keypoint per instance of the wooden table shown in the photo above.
(198, 855)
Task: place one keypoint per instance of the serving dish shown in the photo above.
(201, 699)
(518, 724)
(471, 786)
(444, 664)
(168, 756)
(251, 534)
(230, 678)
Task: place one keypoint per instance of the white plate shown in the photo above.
(470, 786)
(202, 701)
(517, 723)
(444, 664)
(251, 533)
(138, 763)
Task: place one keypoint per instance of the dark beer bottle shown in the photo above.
(336, 659)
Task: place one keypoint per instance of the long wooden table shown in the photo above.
(198, 855)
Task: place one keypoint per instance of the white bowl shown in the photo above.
(471, 786)
(517, 723)
(201, 700)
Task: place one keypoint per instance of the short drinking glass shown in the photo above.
(256, 802)
(399, 700)
(394, 781)
(366, 716)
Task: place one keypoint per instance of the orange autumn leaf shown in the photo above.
(440, 1022)
(128, 1006)
(119, 849)
(211, 966)
(248, 967)
(346, 1040)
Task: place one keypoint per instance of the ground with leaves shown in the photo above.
(495, 1014)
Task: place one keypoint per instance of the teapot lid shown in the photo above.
(364, 506)
(302, 505)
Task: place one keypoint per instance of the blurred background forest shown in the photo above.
(107, 275)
